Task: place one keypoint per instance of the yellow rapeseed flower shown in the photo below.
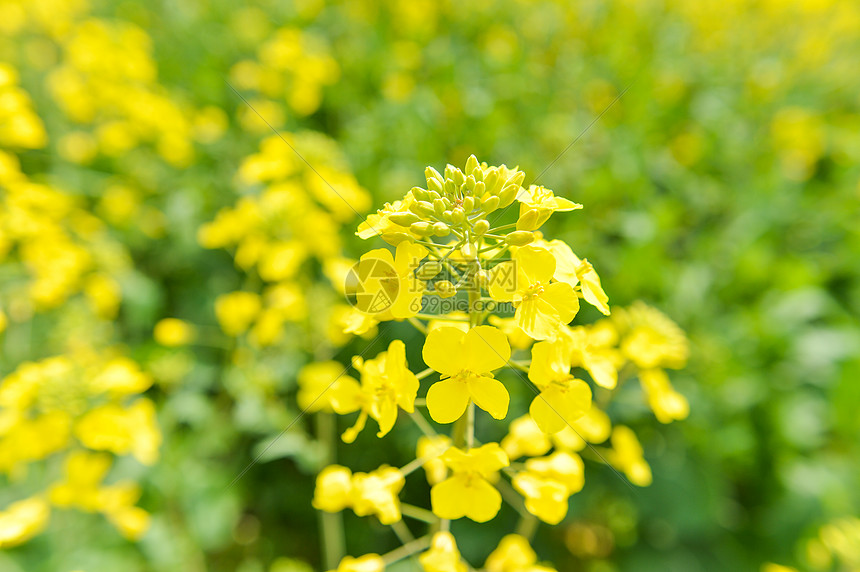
(563, 399)
(468, 492)
(466, 360)
(443, 555)
(541, 305)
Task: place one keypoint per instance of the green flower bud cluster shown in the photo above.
(459, 201)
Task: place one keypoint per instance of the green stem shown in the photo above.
(406, 550)
(418, 513)
(422, 423)
(527, 526)
(331, 523)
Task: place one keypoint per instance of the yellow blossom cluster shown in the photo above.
(451, 253)
(292, 214)
(20, 126)
(69, 406)
(293, 65)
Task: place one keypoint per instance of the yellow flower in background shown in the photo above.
(466, 360)
(468, 492)
(431, 449)
(593, 427)
(650, 339)
(386, 384)
(516, 336)
(563, 399)
(626, 456)
(316, 381)
(601, 362)
(366, 563)
(537, 204)
(385, 286)
(122, 430)
(22, 520)
(373, 493)
(667, 404)
(443, 555)
(333, 491)
(571, 269)
(525, 438)
(541, 305)
(236, 311)
(513, 554)
(172, 332)
(376, 493)
(548, 482)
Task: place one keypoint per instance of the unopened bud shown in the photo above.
(459, 178)
(436, 185)
(441, 229)
(480, 189)
(431, 173)
(429, 270)
(422, 208)
(490, 204)
(529, 220)
(491, 180)
(395, 238)
(404, 219)
(458, 215)
(420, 194)
(469, 204)
(438, 207)
(470, 182)
(508, 194)
(517, 179)
(422, 228)
(481, 227)
(520, 238)
(445, 288)
(451, 187)
(471, 164)
(469, 251)
(446, 216)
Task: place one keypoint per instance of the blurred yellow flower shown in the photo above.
(626, 456)
(468, 492)
(173, 332)
(563, 399)
(23, 520)
(443, 555)
(236, 311)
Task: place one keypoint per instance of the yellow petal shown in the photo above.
(537, 318)
(485, 348)
(443, 350)
(463, 495)
(549, 363)
(593, 292)
(561, 296)
(503, 281)
(564, 205)
(556, 407)
(447, 400)
(534, 264)
(345, 395)
(490, 395)
(408, 256)
(566, 262)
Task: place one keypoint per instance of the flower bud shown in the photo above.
(480, 189)
(422, 208)
(458, 215)
(431, 173)
(469, 204)
(446, 216)
(404, 219)
(520, 238)
(471, 164)
(438, 207)
(459, 178)
(482, 279)
(529, 220)
(508, 194)
(517, 179)
(395, 238)
(420, 194)
(450, 187)
(492, 180)
(481, 227)
(449, 172)
(470, 182)
(441, 229)
(436, 185)
(429, 270)
(433, 195)
(422, 228)
(490, 204)
(445, 288)
(469, 251)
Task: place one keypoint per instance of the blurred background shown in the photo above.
(167, 264)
